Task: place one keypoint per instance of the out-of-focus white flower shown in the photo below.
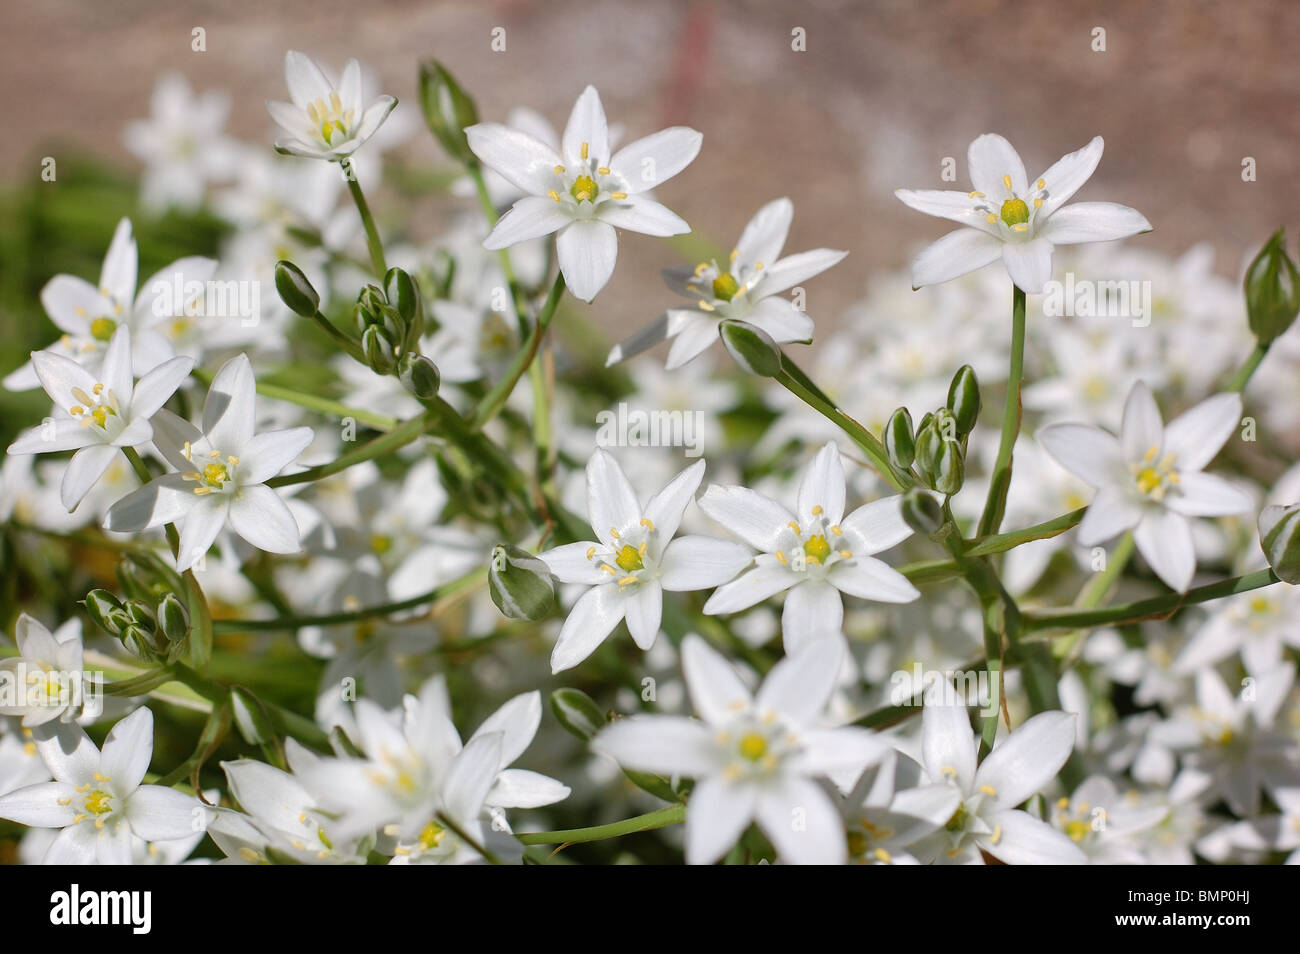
(50, 667)
(1004, 217)
(97, 416)
(754, 757)
(745, 290)
(1150, 478)
(326, 120)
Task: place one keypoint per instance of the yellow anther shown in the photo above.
(585, 149)
(647, 523)
(76, 410)
(619, 196)
(1062, 803)
(706, 306)
(997, 835)
(100, 778)
(603, 170)
(846, 554)
(554, 195)
(558, 170)
(988, 790)
(1006, 181)
(992, 218)
(701, 268)
(882, 856)
(1022, 227)
(1038, 203)
(817, 511)
(780, 558)
(1040, 184)
(591, 552)
(793, 526)
(837, 530)
(625, 580)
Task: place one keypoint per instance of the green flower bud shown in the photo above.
(1272, 290)
(105, 611)
(402, 293)
(420, 376)
(295, 291)
(753, 349)
(173, 618)
(378, 349)
(1280, 541)
(898, 439)
(521, 585)
(964, 399)
(447, 108)
(577, 712)
(921, 511)
(928, 445)
(140, 615)
(143, 644)
(949, 468)
(250, 717)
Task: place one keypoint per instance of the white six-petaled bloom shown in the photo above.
(987, 818)
(97, 414)
(583, 192)
(1149, 479)
(222, 476)
(754, 757)
(816, 553)
(745, 290)
(634, 559)
(46, 673)
(325, 120)
(1006, 217)
(97, 799)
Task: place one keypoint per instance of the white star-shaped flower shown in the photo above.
(325, 120)
(1006, 216)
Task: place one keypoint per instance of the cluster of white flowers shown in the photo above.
(860, 641)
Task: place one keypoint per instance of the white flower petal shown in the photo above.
(1029, 264)
(228, 411)
(877, 526)
(1024, 840)
(38, 806)
(586, 125)
(847, 751)
(61, 435)
(954, 255)
(84, 470)
(1164, 539)
(1110, 513)
(128, 750)
(947, 742)
(531, 217)
(799, 686)
(665, 508)
(821, 488)
(1028, 759)
(813, 611)
(471, 777)
(164, 499)
(990, 157)
(203, 521)
(716, 690)
(75, 845)
(802, 823)
(691, 338)
(118, 275)
(699, 562)
(755, 518)
(782, 321)
(569, 563)
(871, 579)
(794, 269)
(592, 618)
(1202, 495)
(765, 234)
(718, 814)
(643, 609)
(527, 163)
(156, 813)
(637, 213)
(306, 82)
(668, 745)
(1199, 433)
(956, 206)
(752, 587)
(1092, 222)
(611, 503)
(587, 252)
(266, 454)
(656, 158)
(518, 788)
(259, 516)
(1088, 452)
(643, 340)
(1068, 174)
(153, 390)
(1142, 430)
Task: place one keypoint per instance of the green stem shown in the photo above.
(495, 399)
(1000, 481)
(367, 220)
(287, 623)
(348, 344)
(1156, 607)
(672, 815)
(1001, 542)
(1244, 373)
(465, 837)
(384, 444)
(798, 384)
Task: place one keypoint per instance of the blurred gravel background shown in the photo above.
(884, 91)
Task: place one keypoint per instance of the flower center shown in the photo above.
(101, 329)
(1015, 211)
(816, 544)
(331, 119)
(725, 286)
(95, 408)
(1155, 476)
(816, 548)
(629, 559)
(584, 189)
(214, 473)
(753, 746)
(431, 835)
(99, 802)
(756, 745)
